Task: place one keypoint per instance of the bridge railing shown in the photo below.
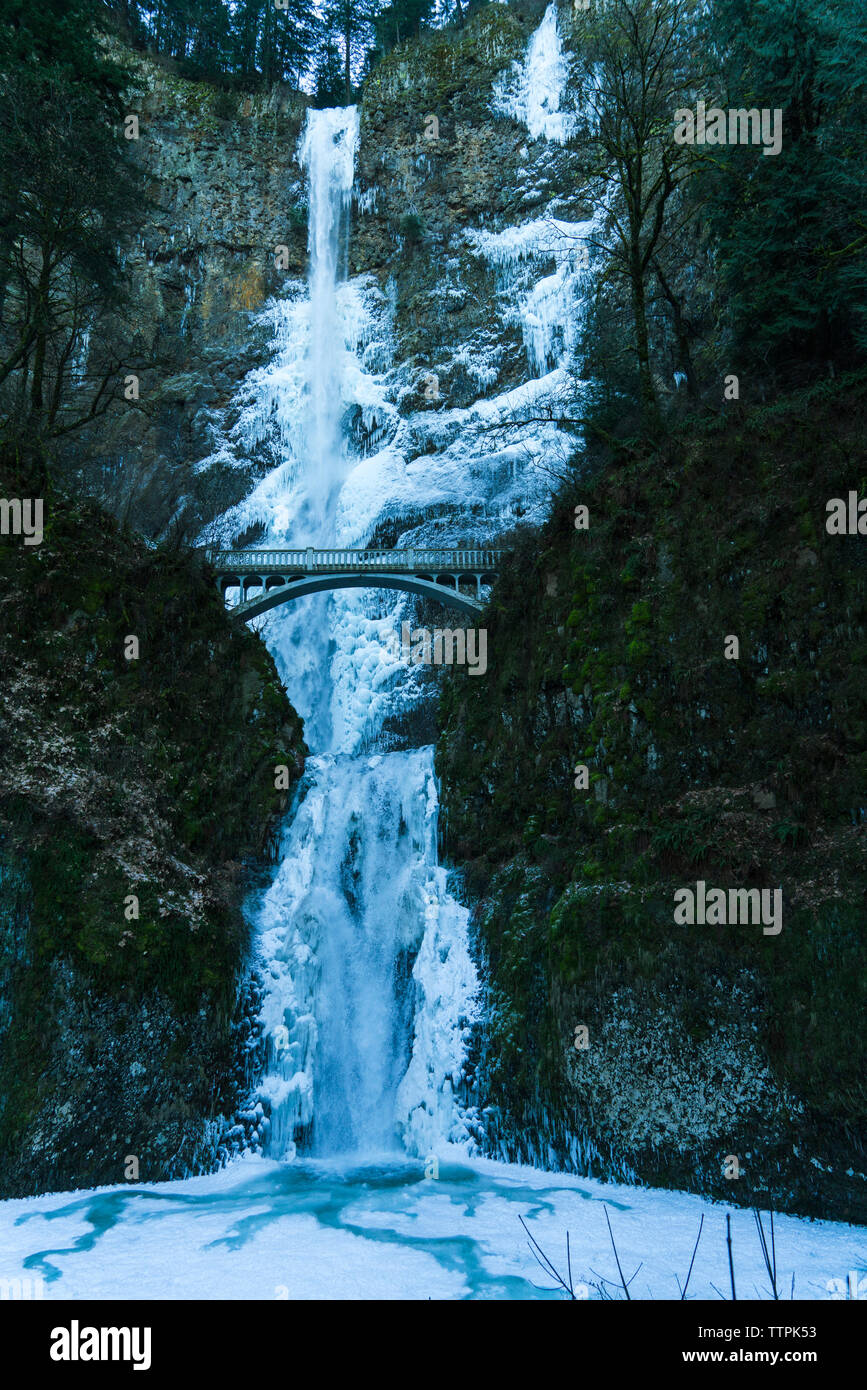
(310, 560)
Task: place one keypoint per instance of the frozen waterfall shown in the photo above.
(370, 985)
(533, 91)
(367, 955)
(327, 152)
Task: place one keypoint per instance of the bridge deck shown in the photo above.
(404, 561)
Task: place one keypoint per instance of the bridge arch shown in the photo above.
(283, 575)
(274, 591)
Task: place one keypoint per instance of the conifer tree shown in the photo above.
(791, 228)
(69, 196)
(330, 87)
(353, 22)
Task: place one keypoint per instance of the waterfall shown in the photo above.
(367, 955)
(369, 982)
(533, 91)
(327, 152)
(550, 311)
(370, 987)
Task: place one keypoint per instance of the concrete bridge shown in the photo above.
(277, 576)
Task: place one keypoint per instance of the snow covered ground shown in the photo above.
(325, 1230)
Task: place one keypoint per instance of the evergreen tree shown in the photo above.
(208, 52)
(790, 228)
(330, 87)
(400, 20)
(353, 22)
(69, 195)
(291, 41)
(250, 41)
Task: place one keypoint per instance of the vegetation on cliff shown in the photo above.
(607, 650)
(620, 747)
(329, 46)
(138, 791)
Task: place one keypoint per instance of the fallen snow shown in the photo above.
(265, 1230)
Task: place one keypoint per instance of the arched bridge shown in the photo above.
(278, 576)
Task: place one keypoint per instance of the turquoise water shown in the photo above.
(383, 1229)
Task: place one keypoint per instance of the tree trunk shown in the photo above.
(267, 47)
(347, 71)
(680, 331)
(41, 323)
(642, 349)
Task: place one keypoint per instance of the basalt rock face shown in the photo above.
(224, 194)
(137, 807)
(437, 161)
(440, 160)
(616, 752)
